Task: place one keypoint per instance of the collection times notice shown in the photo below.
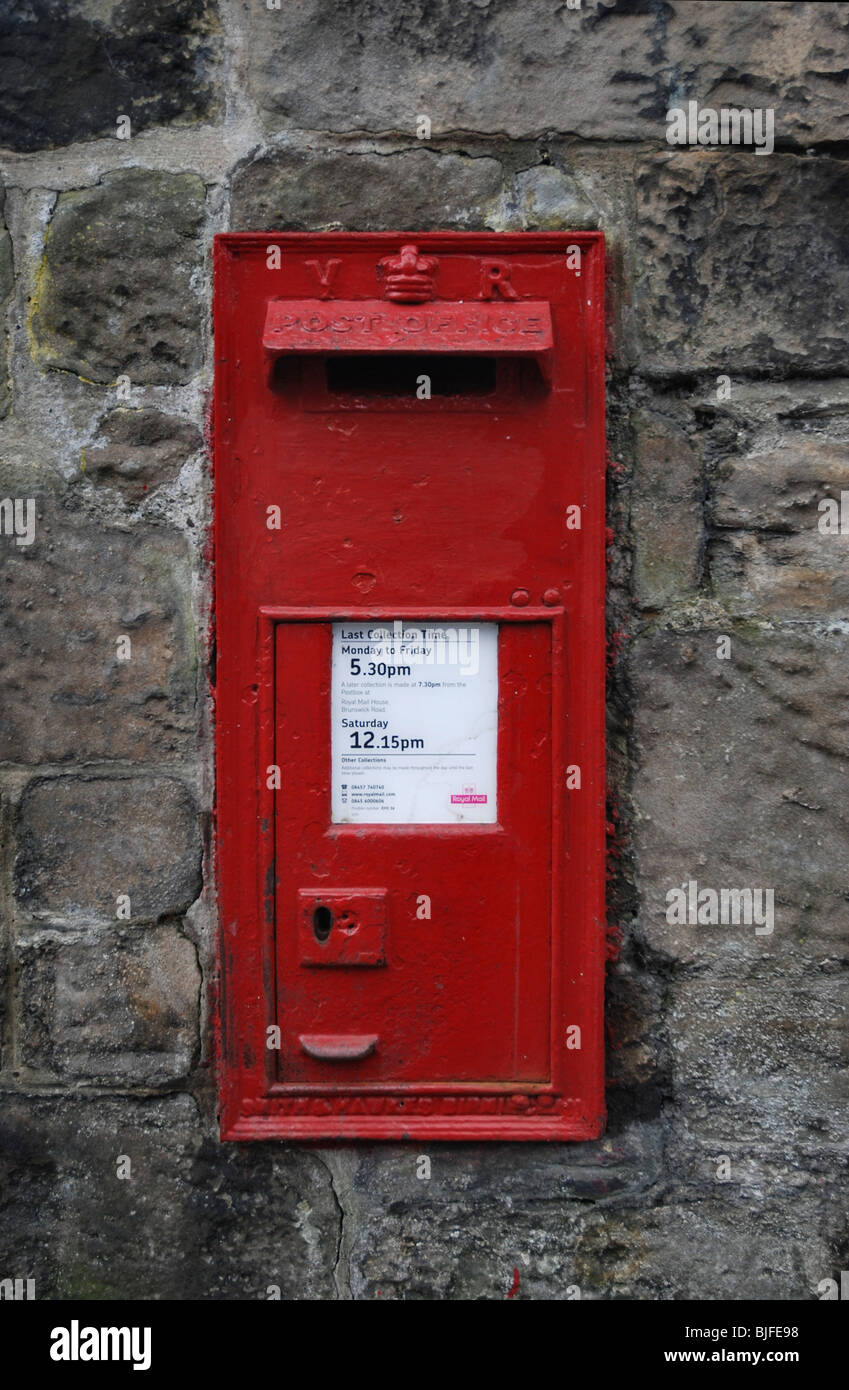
(414, 716)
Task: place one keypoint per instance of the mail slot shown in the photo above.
(409, 684)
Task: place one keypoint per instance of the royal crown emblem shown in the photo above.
(408, 276)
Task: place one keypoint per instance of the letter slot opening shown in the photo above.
(385, 374)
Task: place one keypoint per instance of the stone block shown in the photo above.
(742, 265)
(85, 841)
(705, 1245)
(189, 1220)
(116, 293)
(770, 559)
(309, 190)
(137, 451)
(65, 600)
(116, 1006)
(762, 1060)
(68, 74)
(667, 519)
(523, 68)
(739, 785)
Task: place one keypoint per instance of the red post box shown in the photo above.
(409, 558)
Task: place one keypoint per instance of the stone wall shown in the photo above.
(131, 132)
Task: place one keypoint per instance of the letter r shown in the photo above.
(495, 280)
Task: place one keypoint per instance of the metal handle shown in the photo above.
(338, 1047)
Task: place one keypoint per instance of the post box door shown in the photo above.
(424, 947)
(409, 550)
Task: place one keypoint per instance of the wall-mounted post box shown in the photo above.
(410, 664)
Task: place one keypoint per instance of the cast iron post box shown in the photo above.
(410, 664)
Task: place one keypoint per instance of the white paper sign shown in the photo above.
(414, 715)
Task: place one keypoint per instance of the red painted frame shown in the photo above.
(254, 1103)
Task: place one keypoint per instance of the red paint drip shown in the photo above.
(617, 839)
(514, 1287)
(614, 647)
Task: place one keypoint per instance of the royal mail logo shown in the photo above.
(469, 797)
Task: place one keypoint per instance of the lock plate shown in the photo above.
(342, 926)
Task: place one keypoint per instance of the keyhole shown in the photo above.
(322, 922)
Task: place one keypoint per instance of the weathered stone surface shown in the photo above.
(698, 1244)
(731, 420)
(743, 264)
(580, 189)
(779, 489)
(666, 512)
(192, 1219)
(377, 68)
(269, 1222)
(5, 942)
(617, 1164)
(742, 765)
(590, 1221)
(524, 67)
(780, 56)
(757, 459)
(115, 294)
(7, 284)
(730, 772)
(68, 72)
(767, 1056)
(705, 1245)
(636, 1055)
(784, 577)
(778, 563)
(461, 1232)
(64, 602)
(138, 450)
(299, 190)
(121, 1006)
(85, 840)
(791, 1161)
(545, 198)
